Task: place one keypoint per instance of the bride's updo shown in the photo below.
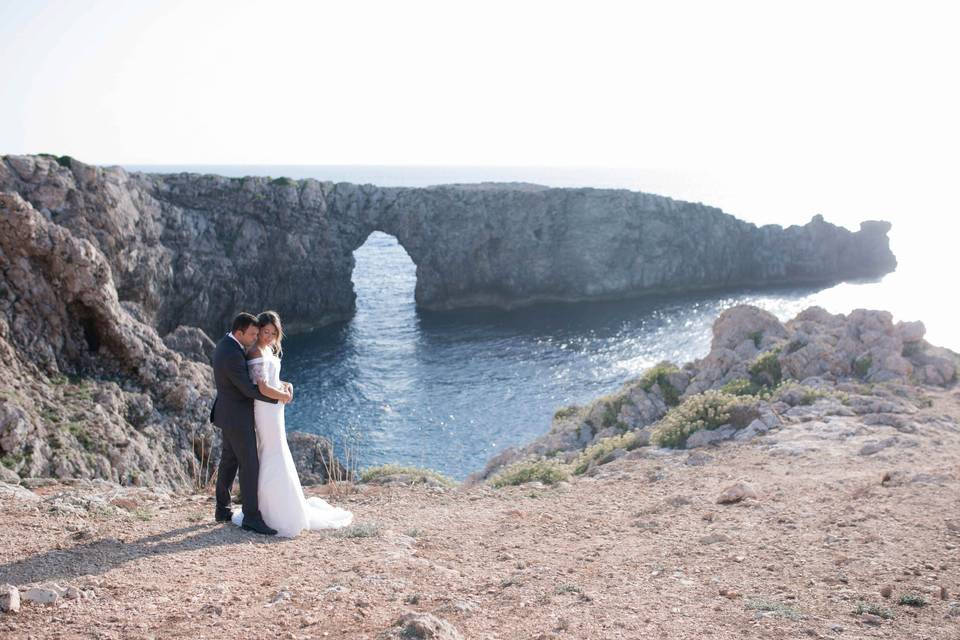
(272, 317)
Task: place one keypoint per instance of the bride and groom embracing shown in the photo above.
(248, 410)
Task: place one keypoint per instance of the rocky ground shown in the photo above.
(847, 528)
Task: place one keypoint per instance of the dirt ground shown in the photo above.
(640, 550)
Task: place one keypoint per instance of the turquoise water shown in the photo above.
(449, 390)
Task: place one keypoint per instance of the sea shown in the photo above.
(448, 390)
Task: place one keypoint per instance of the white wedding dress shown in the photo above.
(282, 503)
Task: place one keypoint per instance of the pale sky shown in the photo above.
(670, 84)
(773, 111)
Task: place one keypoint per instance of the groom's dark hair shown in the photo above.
(242, 322)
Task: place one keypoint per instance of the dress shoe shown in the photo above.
(224, 515)
(258, 526)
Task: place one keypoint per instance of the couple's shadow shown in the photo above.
(99, 556)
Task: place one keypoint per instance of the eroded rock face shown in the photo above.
(192, 250)
(87, 390)
(87, 387)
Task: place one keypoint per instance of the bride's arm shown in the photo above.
(260, 378)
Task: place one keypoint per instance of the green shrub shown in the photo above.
(64, 161)
(604, 446)
(765, 370)
(757, 337)
(861, 366)
(566, 412)
(611, 413)
(912, 600)
(873, 608)
(419, 474)
(546, 471)
(707, 410)
(660, 375)
(776, 608)
(282, 182)
(362, 530)
(78, 431)
(740, 387)
(794, 346)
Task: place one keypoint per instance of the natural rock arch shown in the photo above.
(189, 249)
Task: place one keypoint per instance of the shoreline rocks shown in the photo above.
(759, 375)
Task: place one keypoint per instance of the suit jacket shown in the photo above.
(233, 406)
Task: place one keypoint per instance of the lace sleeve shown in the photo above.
(255, 368)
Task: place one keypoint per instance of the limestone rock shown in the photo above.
(191, 342)
(736, 493)
(9, 598)
(175, 242)
(40, 595)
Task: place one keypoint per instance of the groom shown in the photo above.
(232, 412)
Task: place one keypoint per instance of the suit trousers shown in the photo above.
(239, 450)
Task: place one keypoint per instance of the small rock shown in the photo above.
(736, 493)
(697, 459)
(282, 596)
(41, 595)
(871, 619)
(944, 594)
(714, 538)
(9, 598)
(876, 447)
(886, 591)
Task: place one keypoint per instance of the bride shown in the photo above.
(282, 503)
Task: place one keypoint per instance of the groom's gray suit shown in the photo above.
(233, 412)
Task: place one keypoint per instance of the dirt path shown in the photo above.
(641, 550)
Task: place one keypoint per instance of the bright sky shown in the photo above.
(772, 110)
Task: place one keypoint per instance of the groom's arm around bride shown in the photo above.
(232, 412)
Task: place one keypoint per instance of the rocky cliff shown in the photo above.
(88, 390)
(192, 249)
(112, 283)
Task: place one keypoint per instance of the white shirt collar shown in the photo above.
(237, 341)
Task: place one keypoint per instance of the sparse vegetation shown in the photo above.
(566, 412)
(765, 370)
(78, 431)
(362, 530)
(660, 375)
(774, 608)
(567, 588)
(282, 182)
(611, 414)
(546, 471)
(707, 410)
(861, 366)
(912, 600)
(757, 337)
(12, 460)
(873, 608)
(605, 446)
(418, 474)
(740, 387)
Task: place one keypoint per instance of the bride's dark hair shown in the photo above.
(272, 317)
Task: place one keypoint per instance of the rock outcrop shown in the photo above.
(87, 390)
(759, 373)
(192, 249)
